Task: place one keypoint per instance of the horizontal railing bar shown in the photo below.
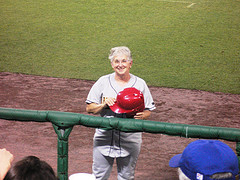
(67, 119)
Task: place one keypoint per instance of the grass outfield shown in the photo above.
(192, 44)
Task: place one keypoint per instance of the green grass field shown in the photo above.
(192, 44)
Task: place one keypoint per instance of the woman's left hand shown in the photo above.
(143, 115)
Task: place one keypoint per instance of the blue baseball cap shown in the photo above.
(203, 158)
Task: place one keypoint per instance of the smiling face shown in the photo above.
(121, 65)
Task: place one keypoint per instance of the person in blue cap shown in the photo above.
(206, 160)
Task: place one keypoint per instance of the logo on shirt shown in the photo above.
(104, 99)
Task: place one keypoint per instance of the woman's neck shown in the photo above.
(122, 80)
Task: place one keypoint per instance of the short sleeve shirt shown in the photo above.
(114, 143)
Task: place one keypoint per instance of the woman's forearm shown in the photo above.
(95, 108)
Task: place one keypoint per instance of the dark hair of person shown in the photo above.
(31, 168)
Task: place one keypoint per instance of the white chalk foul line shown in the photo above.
(185, 2)
(191, 5)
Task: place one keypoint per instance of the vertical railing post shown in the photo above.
(63, 134)
(238, 153)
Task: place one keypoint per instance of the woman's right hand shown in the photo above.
(110, 101)
(97, 108)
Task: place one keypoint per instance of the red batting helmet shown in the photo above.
(129, 101)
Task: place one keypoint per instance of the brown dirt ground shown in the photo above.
(46, 93)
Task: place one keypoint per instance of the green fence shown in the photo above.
(63, 123)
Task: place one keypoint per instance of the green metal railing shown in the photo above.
(63, 123)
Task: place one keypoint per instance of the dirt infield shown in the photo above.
(46, 93)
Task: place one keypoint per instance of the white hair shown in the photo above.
(122, 50)
(182, 176)
(221, 176)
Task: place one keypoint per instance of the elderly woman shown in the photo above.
(113, 144)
